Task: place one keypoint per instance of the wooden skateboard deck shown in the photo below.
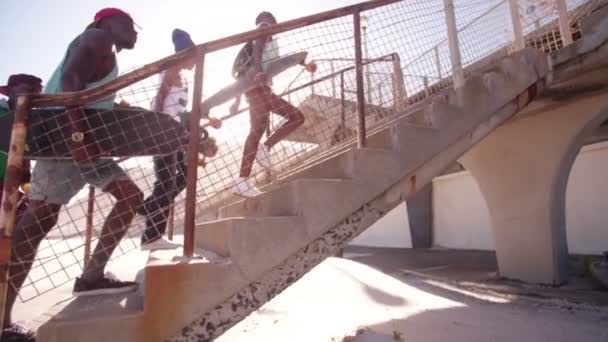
(247, 82)
(124, 132)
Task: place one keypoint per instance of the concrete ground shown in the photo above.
(403, 295)
(406, 295)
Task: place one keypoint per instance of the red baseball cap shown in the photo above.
(109, 12)
(14, 80)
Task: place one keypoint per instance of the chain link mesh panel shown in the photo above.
(302, 116)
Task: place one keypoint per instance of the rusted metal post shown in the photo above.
(333, 79)
(564, 26)
(192, 158)
(10, 196)
(359, 79)
(366, 69)
(342, 102)
(450, 18)
(518, 32)
(268, 172)
(171, 223)
(438, 62)
(88, 234)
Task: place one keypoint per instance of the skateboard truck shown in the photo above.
(207, 145)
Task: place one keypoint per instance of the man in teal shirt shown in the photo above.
(89, 61)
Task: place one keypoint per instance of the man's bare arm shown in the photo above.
(169, 79)
(83, 61)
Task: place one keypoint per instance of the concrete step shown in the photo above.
(355, 164)
(275, 202)
(344, 165)
(381, 137)
(109, 317)
(328, 167)
(328, 164)
(320, 201)
(289, 199)
(323, 115)
(254, 244)
(173, 291)
(180, 290)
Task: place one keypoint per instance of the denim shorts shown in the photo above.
(57, 181)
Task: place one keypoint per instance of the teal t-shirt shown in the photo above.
(4, 110)
(53, 86)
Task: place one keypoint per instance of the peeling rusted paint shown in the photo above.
(12, 178)
(528, 95)
(412, 184)
(7, 206)
(10, 195)
(534, 90)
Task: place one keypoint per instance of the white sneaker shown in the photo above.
(263, 157)
(244, 188)
(160, 244)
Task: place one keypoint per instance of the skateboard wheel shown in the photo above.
(26, 187)
(311, 67)
(204, 134)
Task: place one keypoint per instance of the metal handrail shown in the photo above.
(315, 81)
(385, 58)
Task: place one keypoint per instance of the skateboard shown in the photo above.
(122, 131)
(248, 82)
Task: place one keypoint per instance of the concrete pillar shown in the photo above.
(522, 169)
(420, 214)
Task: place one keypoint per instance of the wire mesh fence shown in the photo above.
(283, 123)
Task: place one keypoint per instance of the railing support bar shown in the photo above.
(361, 142)
(88, 234)
(10, 195)
(564, 25)
(192, 158)
(518, 32)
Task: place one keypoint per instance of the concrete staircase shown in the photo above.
(323, 125)
(265, 244)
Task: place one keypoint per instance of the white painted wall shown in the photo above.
(587, 201)
(461, 218)
(393, 230)
(462, 221)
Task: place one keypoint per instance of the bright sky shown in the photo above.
(36, 32)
